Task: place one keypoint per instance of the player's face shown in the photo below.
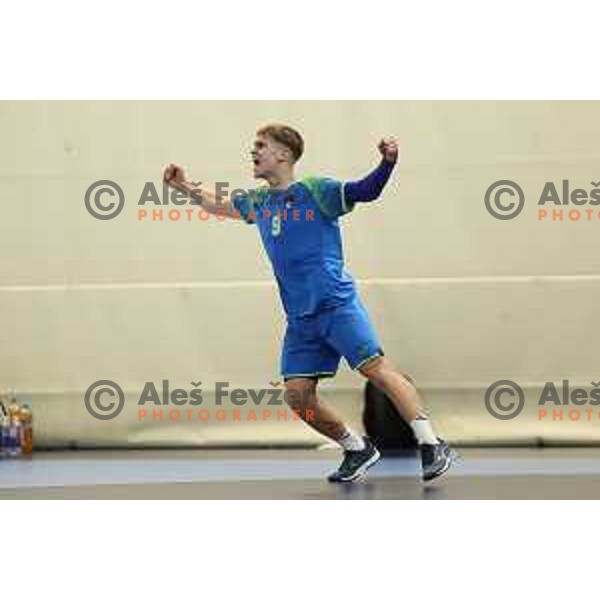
(267, 156)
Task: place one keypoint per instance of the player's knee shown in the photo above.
(376, 370)
(381, 371)
(299, 393)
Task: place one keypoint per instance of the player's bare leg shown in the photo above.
(360, 454)
(401, 391)
(436, 456)
(301, 397)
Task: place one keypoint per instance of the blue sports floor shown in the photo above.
(506, 473)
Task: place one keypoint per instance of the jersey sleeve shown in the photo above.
(329, 195)
(248, 204)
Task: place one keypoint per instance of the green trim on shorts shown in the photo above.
(317, 374)
(362, 363)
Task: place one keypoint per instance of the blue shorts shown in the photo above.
(314, 345)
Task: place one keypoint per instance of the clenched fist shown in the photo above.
(389, 149)
(174, 175)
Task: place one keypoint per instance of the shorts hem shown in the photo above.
(315, 374)
(362, 363)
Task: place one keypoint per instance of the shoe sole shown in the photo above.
(450, 458)
(361, 471)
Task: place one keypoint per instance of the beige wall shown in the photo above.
(460, 299)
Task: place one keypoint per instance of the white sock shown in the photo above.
(423, 431)
(351, 441)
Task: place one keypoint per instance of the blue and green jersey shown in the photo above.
(301, 234)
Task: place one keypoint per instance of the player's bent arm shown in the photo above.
(204, 196)
(369, 188)
(207, 198)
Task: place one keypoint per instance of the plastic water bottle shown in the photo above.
(4, 426)
(26, 417)
(15, 427)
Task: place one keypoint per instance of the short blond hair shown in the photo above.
(286, 136)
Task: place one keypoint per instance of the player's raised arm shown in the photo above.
(204, 196)
(370, 187)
